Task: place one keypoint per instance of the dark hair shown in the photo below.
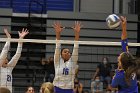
(62, 50)
(108, 65)
(97, 76)
(105, 58)
(129, 64)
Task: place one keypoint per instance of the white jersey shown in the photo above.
(6, 72)
(65, 71)
(64, 74)
(6, 77)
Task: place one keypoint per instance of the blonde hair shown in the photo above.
(47, 87)
(46, 90)
(4, 90)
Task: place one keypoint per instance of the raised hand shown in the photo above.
(7, 33)
(23, 33)
(77, 26)
(123, 21)
(58, 27)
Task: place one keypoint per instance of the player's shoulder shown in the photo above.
(119, 73)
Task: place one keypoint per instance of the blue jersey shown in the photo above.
(124, 44)
(119, 81)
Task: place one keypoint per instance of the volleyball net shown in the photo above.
(68, 42)
(29, 71)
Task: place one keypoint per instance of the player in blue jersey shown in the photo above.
(125, 78)
(124, 40)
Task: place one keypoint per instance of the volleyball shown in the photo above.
(113, 21)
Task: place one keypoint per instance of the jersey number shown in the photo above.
(8, 78)
(65, 71)
(133, 76)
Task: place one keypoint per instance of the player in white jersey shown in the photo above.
(7, 67)
(65, 63)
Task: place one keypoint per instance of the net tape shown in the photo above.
(104, 43)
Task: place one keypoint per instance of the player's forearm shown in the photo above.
(17, 55)
(6, 47)
(58, 36)
(124, 31)
(19, 48)
(124, 34)
(57, 52)
(75, 52)
(76, 36)
(5, 50)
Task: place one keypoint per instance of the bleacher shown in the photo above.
(27, 71)
(22, 6)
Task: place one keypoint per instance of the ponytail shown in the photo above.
(46, 90)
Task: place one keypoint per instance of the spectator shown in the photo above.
(30, 89)
(78, 87)
(51, 70)
(44, 63)
(97, 85)
(103, 70)
(47, 87)
(4, 90)
(48, 69)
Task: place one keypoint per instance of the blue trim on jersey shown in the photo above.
(124, 44)
(60, 90)
(119, 81)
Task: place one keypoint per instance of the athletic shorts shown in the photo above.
(60, 90)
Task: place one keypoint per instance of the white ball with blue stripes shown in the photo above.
(113, 21)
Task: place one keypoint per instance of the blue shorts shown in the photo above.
(124, 44)
(60, 90)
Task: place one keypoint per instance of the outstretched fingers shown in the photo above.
(58, 27)
(77, 26)
(23, 33)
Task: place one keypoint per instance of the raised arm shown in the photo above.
(5, 49)
(124, 34)
(76, 28)
(16, 57)
(123, 25)
(58, 29)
